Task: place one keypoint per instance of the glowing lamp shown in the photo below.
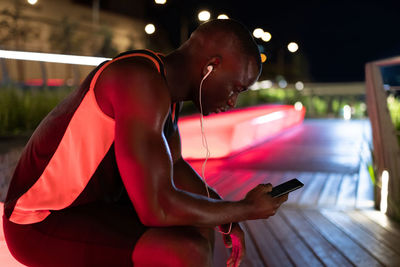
(266, 36)
(299, 85)
(346, 112)
(204, 15)
(32, 2)
(222, 16)
(263, 57)
(293, 47)
(266, 84)
(150, 28)
(298, 106)
(384, 191)
(160, 2)
(258, 32)
(282, 83)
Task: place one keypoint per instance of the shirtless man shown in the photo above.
(102, 181)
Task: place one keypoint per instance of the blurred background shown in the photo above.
(313, 52)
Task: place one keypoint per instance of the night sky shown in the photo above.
(337, 38)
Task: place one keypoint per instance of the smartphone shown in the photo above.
(286, 187)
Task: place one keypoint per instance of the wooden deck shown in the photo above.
(330, 221)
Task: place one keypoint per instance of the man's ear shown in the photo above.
(215, 62)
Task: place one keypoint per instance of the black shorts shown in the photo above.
(96, 234)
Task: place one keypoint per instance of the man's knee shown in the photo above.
(177, 246)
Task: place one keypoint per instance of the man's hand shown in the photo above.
(234, 240)
(262, 203)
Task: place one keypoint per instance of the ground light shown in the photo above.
(384, 191)
(346, 112)
(222, 16)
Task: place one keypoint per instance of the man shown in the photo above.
(102, 181)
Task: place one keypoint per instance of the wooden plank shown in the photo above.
(277, 178)
(330, 191)
(379, 250)
(230, 178)
(220, 252)
(312, 192)
(240, 190)
(269, 248)
(347, 192)
(365, 189)
(376, 230)
(321, 247)
(236, 180)
(295, 248)
(305, 178)
(252, 257)
(349, 248)
(384, 221)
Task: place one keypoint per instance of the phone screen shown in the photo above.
(286, 187)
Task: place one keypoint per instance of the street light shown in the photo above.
(160, 2)
(150, 28)
(258, 33)
(293, 47)
(299, 85)
(266, 36)
(204, 15)
(222, 16)
(32, 2)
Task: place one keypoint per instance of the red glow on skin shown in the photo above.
(234, 131)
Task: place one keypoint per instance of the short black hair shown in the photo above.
(244, 38)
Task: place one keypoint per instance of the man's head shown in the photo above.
(229, 48)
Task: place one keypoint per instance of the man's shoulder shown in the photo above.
(133, 66)
(133, 79)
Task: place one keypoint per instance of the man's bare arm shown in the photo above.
(140, 104)
(185, 177)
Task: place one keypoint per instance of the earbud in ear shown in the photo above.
(209, 68)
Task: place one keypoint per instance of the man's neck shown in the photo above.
(178, 76)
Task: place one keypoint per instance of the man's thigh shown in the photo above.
(89, 235)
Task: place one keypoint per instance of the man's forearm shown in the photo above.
(187, 179)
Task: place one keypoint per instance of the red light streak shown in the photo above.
(234, 131)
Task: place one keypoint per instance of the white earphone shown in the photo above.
(209, 70)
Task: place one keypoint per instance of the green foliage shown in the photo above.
(21, 110)
(394, 109)
(372, 173)
(316, 106)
